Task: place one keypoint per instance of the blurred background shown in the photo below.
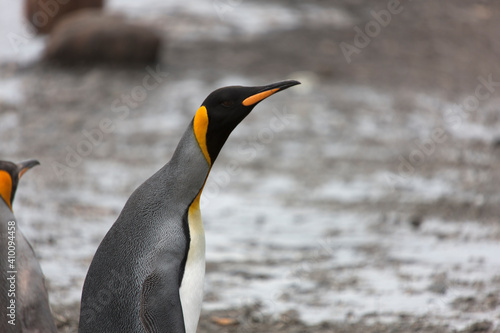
(364, 200)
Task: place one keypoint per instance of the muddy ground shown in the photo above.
(374, 208)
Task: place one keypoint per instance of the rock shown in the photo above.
(44, 14)
(496, 143)
(90, 36)
(416, 221)
(482, 326)
(224, 321)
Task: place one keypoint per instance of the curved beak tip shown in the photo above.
(291, 83)
(282, 85)
(26, 165)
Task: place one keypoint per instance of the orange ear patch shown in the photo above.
(6, 187)
(200, 127)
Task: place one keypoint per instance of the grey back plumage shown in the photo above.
(148, 241)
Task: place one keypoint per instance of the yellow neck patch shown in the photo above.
(6, 187)
(200, 127)
(195, 205)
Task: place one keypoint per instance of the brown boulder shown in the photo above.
(44, 14)
(90, 36)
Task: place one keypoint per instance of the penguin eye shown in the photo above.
(227, 104)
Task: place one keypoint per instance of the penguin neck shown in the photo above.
(189, 169)
(189, 164)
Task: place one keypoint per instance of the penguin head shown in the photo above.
(224, 109)
(10, 173)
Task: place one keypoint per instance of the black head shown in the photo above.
(10, 173)
(226, 108)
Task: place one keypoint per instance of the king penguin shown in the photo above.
(22, 287)
(148, 272)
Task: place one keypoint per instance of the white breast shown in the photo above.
(191, 290)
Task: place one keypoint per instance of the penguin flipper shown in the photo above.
(161, 308)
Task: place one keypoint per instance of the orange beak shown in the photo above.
(268, 91)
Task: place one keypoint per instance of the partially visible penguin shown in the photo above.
(24, 303)
(148, 272)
